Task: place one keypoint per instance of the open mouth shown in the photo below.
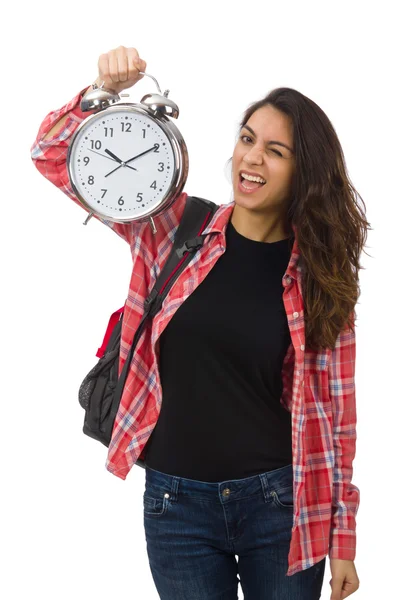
(250, 185)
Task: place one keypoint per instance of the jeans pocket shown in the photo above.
(284, 497)
(155, 504)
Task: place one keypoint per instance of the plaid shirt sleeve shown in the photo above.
(49, 157)
(346, 496)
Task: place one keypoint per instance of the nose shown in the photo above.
(254, 157)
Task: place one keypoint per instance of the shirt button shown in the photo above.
(226, 492)
(303, 347)
(288, 279)
(295, 315)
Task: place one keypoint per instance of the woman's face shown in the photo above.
(254, 152)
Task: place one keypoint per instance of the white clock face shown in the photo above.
(122, 164)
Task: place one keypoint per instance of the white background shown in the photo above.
(70, 529)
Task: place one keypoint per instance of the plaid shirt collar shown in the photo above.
(220, 221)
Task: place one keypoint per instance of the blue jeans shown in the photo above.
(194, 529)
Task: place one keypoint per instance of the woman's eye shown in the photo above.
(247, 136)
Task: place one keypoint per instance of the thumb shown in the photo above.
(336, 587)
(141, 66)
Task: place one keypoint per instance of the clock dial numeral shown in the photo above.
(156, 147)
(108, 129)
(162, 167)
(120, 201)
(102, 190)
(154, 185)
(139, 197)
(144, 133)
(125, 127)
(86, 160)
(91, 180)
(97, 144)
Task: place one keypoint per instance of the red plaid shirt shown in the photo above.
(318, 387)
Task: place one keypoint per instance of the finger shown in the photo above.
(132, 55)
(122, 64)
(103, 67)
(113, 66)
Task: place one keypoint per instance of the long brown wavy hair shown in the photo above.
(331, 226)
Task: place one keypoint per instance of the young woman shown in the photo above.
(251, 360)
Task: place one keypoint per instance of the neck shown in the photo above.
(259, 227)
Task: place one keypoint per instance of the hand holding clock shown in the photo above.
(120, 69)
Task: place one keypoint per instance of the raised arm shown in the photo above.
(49, 149)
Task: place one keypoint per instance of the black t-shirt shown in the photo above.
(221, 358)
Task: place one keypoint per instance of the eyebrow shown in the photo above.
(271, 142)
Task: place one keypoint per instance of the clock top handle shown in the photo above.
(95, 86)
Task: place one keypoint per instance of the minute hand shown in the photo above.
(141, 154)
(133, 158)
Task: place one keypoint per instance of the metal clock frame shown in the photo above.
(178, 145)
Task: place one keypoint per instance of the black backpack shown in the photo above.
(101, 390)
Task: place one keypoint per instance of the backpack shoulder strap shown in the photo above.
(196, 216)
(188, 239)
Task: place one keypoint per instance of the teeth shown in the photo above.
(251, 178)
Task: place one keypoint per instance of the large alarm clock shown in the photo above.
(127, 162)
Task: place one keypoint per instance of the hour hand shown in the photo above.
(116, 158)
(109, 158)
(113, 155)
